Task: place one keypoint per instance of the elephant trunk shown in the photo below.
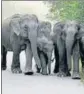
(69, 44)
(33, 40)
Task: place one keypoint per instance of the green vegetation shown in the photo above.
(66, 10)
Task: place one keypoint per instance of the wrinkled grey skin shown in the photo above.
(81, 44)
(19, 32)
(44, 46)
(58, 37)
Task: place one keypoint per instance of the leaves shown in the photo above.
(66, 10)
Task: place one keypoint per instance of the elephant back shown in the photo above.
(16, 16)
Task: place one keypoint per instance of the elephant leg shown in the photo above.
(66, 65)
(61, 50)
(37, 69)
(15, 67)
(29, 55)
(56, 68)
(3, 58)
(75, 74)
(44, 59)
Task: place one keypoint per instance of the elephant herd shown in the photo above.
(27, 32)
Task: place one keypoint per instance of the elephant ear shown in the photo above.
(80, 31)
(15, 26)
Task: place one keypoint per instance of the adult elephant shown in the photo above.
(68, 38)
(58, 37)
(71, 30)
(19, 32)
(44, 46)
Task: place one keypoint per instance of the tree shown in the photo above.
(66, 10)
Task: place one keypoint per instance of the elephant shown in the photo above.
(19, 32)
(61, 67)
(74, 32)
(69, 34)
(72, 29)
(74, 36)
(44, 46)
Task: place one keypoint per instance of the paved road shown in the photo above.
(38, 84)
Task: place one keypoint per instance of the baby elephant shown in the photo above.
(44, 47)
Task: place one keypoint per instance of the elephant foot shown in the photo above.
(16, 70)
(56, 70)
(76, 75)
(44, 73)
(61, 74)
(28, 73)
(3, 68)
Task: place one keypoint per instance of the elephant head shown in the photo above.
(58, 32)
(44, 40)
(25, 26)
